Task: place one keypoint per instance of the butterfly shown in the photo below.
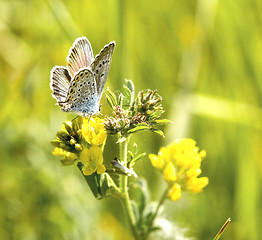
(78, 87)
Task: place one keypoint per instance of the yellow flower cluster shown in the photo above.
(83, 140)
(94, 133)
(180, 164)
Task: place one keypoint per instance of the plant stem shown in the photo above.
(123, 189)
(160, 203)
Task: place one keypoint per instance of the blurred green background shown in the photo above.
(205, 59)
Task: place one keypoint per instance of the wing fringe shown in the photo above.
(80, 55)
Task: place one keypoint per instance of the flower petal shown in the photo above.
(170, 173)
(101, 169)
(175, 192)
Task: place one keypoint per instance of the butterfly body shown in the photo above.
(79, 86)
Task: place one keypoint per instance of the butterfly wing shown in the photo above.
(82, 94)
(80, 55)
(78, 88)
(59, 83)
(100, 66)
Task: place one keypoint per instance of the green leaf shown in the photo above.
(93, 182)
(157, 114)
(154, 229)
(149, 211)
(106, 184)
(130, 85)
(135, 210)
(111, 99)
(127, 96)
(131, 154)
(163, 121)
(134, 148)
(129, 92)
(141, 194)
(157, 131)
(110, 103)
(139, 127)
(120, 99)
(138, 157)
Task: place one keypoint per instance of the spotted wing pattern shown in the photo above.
(82, 94)
(59, 83)
(80, 55)
(100, 66)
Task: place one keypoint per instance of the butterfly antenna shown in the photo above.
(89, 117)
(74, 118)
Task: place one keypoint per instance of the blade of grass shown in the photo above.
(222, 229)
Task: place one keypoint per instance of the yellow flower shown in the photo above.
(68, 158)
(94, 131)
(175, 192)
(193, 172)
(93, 159)
(156, 161)
(170, 173)
(180, 164)
(58, 152)
(196, 184)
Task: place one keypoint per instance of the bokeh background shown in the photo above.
(205, 59)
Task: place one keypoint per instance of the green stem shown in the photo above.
(160, 203)
(123, 189)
